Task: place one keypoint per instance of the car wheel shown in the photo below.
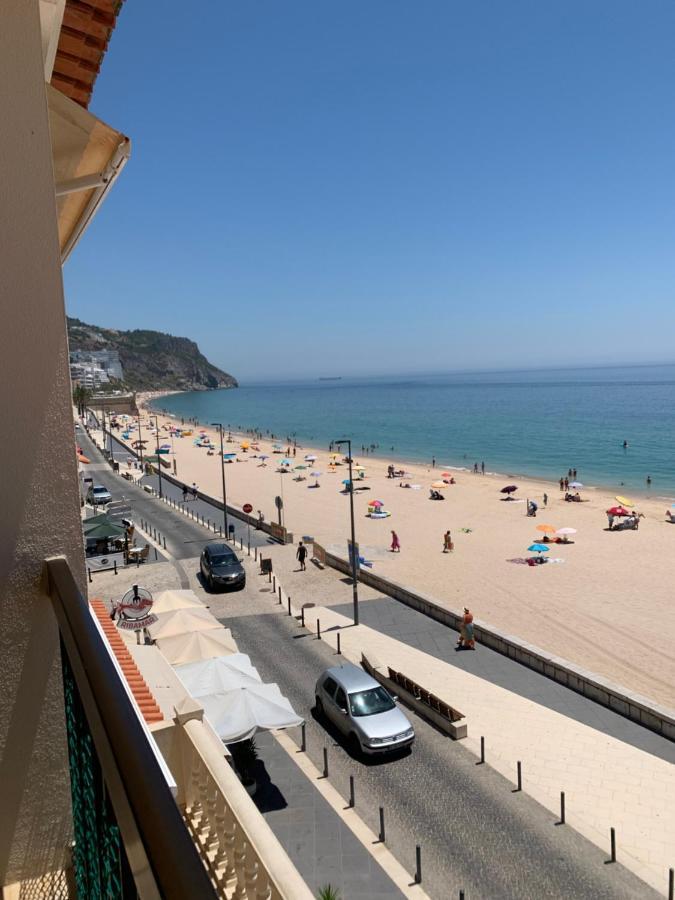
(319, 707)
(354, 745)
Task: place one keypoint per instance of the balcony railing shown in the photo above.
(132, 837)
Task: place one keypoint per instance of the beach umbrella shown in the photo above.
(566, 531)
(446, 474)
(624, 501)
(509, 489)
(263, 456)
(285, 462)
(617, 511)
(229, 455)
(316, 474)
(538, 548)
(301, 467)
(547, 529)
(577, 485)
(103, 530)
(346, 481)
(438, 484)
(335, 455)
(221, 673)
(310, 457)
(190, 647)
(377, 503)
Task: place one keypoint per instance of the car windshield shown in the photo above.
(223, 560)
(369, 703)
(100, 490)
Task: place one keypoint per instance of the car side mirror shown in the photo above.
(394, 697)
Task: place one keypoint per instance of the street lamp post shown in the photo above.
(219, 426)
(140, 442)
(159, 465)
(354, 553)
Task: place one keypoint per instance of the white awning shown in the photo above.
(223, 673)
(88, 156)
(167, 601)
(182, 621)
(237, 715)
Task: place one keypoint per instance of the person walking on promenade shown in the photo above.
(466, 639)
(301, 556)
(545, 499)
(447, 542)
(185, 493)
(194, 490)
(395, 543)
(261, 519)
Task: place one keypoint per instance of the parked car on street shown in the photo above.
(221, 567)
(98, 495)
(363, 710)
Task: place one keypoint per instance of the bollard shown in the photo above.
(220, 530)
(482, 752)
(255, 554)
(612, 843)
(352, 799)
(89, 574)
(318, 629)
(461, 895)
(381, 825)
(115, 566)
(279, 593)
(418, 864)
(325, 762)
(303, 739)
(164, 542)
(302, 617)
(269, 577)
(671, 884)
(274, 582)
(520, 777)
(339, 652)
(562, 809)
(138, 560)
(289, 606)
(208, 524)
(156, 557)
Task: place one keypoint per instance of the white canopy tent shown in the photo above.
(183, 621)
(168, 601)
(193, 646)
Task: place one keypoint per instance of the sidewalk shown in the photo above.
(614, 773)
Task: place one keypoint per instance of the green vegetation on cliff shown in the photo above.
(152, 360)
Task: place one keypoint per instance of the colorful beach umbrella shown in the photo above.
(538, 548)
(577, 485)
(547, 529)
(618, 511)
(316, 474)
(509, 489)
(285, 462)
(310, 457)
(376, 503)
(438, 484)
(263, 456)
(565, 531)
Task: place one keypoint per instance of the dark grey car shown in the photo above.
(221, 568)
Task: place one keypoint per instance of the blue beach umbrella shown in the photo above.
(229, 455)
(538, 548)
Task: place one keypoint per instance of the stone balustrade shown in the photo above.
(242, 854)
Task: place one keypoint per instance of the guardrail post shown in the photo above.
(418, 864)
(382, 834)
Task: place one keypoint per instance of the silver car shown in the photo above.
(362, 710)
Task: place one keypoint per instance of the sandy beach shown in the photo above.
(603, 606)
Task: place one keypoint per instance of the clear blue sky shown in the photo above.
(356, 187)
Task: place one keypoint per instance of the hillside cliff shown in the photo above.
(152, 360)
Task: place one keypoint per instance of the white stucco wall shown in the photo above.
(39, 506)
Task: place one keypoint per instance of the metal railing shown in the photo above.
(157, 857)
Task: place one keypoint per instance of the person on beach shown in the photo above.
(567, 483)
(447, 542)
(395, 543)
(475, 468)
(649, 480)
(574, 474)
(482, 468)
(433, 462)
(545, 499)
(562, 484)
(301, 556)
(466, 638)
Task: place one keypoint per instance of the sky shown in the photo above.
(322, 189)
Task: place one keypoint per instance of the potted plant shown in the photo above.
(245, 759)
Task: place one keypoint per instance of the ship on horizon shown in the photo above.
(330, 378)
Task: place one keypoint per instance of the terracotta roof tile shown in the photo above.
(140, 690)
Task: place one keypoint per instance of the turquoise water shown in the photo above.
(538, 423)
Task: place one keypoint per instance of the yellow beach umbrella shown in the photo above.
(624, 501)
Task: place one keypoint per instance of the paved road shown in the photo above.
(476, 834)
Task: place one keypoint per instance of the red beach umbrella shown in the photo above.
(617, 511)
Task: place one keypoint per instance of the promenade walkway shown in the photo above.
(614, 773)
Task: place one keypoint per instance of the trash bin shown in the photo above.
(230, 532)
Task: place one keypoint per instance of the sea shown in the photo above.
(537, 423)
